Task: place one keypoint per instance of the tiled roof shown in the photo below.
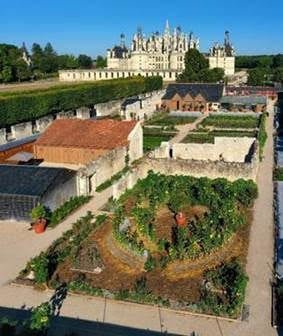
(211, 92)
(244, 100)
(93, 134)
(31, 180)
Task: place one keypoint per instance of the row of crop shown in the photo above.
(231, 121)
(209, 137)
(17, 108)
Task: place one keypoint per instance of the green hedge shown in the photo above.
(24, 106)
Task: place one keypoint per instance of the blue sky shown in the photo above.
(92, 26)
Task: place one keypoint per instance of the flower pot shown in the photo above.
(181, 219)
(40, 225)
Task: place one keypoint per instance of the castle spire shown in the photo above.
(167, 28)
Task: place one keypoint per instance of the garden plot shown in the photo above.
(142, 252)
(221, 121)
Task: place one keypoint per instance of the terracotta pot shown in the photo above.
(40, 225)
(181, 219)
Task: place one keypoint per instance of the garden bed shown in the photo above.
(164, 119)
(139, 253)
(231, 121)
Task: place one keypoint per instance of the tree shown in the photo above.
(101, 62)
(85, 62)
(278, 75)
(7, 74)
(67, 62)
(23, 71)
(197, 69)
(256, 76)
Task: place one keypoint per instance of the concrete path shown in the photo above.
(17, 246)
(185, 129)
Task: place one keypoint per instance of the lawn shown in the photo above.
(141, 253)
(231, 121)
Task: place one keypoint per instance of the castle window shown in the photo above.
(106, 74)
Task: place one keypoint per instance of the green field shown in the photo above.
(208, 137)
(150, 142)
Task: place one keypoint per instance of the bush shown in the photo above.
(40, 267)
(40, 318)
(245, 191)
(150, 263)
(23, 106)
(113, 179)
(262, 135)
(66, 209)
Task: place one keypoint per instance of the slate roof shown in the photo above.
(31, 180)
(244, 100)
(91, 134)
(211, 92)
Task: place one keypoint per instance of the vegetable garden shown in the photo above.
(140, 251)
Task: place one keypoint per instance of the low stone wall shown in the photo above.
(3, 136)
(106, 109)
(198, 168)
(65, 115)
(238, 149)
(43, 123)
(83, 113)
(22, 130)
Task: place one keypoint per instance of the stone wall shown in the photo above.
(106, 109)
(65, 115)
(224, 148)
(43, 123)
(136, 143)
(101, 170)
(198, 168)
(83, 113)
(21, 130)
(3, 136)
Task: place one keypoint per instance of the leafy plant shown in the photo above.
(40, 317)
(39, 265)
(39, 212)
(150, 263)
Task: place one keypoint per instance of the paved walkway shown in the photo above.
(17, 246)
(185, 129)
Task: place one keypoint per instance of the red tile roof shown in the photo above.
(93, 134)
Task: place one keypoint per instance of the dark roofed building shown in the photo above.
(238, 103)
(23, 187)
(192, 97)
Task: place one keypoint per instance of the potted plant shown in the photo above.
(39, 215)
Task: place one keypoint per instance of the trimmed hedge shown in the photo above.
(25, 106)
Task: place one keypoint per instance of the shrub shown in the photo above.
(24, 106)
(150, 263)
(113, 179)
(40, 317)
(66, 209)
(39, 265)
(245, 191)
(262, 135)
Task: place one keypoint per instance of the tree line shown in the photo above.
(262, 69)
(17, 64)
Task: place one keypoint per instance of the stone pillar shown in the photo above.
(3, 136)
(43, 123)
(65, 115)
(83, 185)
(83, 113)
(22, 130)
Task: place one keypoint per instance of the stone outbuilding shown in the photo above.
(192, 97)
(78, 142)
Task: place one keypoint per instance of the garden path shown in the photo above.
(185, 129)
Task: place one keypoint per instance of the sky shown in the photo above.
(92, 26)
